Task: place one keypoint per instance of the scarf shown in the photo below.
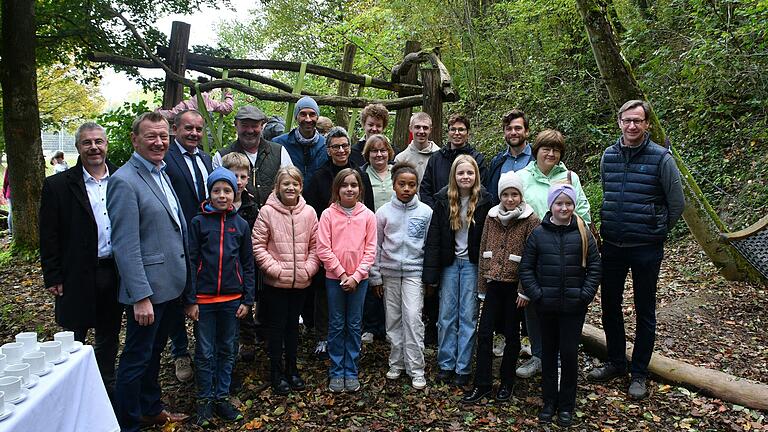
(306, 141)
(505, 215)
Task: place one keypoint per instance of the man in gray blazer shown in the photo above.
(150, 248)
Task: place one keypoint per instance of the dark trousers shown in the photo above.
(137, 391)
(251, 324)
(431, 311)
(177, 331)
(108, 322)
(560, 333)
(499, 304)
(645, 262)
(373, 315)
(321, 305)
(282, 307)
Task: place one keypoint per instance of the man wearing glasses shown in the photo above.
(439, 165)
(642, 201)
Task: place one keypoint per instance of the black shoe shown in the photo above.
(477, 393)
(564, 418)
(203, 412)
(444, 376)
(504, 392)
(461, 380)
(226, 411)
(607, 372)
(296, 383)
(279, 385)
(637, 388)
(546, 414)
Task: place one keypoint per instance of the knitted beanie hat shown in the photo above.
(561, 188)
(510, 179)
(305, 102)
(222, 174)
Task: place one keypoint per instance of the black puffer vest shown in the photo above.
(634, 210)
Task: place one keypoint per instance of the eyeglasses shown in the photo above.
(454, 130)
(378, 151)
(636, 122)
(338, 147)
(554, 151)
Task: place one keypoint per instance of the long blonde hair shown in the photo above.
(454, 198)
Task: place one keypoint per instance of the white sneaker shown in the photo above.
(419, 382)
(525, 347)
(367, 337)
(394, 373)
(499, 343)
(530, 368)
(321, 348)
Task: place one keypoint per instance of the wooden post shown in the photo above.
(176, 60)
(342, 113)
(403, 116)
(433, 101)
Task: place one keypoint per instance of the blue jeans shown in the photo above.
(457, 318)
(137, 391)
(216, 332)
(345, 311)
(645, 262)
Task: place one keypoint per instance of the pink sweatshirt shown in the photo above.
(347, 243)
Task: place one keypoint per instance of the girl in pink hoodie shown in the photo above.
(284, 238)
(346, 245)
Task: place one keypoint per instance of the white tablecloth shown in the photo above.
(71, 398)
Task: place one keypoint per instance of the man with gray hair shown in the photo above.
(642, 201)
(76, 249)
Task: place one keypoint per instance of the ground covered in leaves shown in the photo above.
(703, 320)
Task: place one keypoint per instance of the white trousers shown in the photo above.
(403, 302)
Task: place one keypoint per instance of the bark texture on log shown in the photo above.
(21, 119)
(403, 115)
(342, 114)
(433, 102)
(177, 60)
(721, 385)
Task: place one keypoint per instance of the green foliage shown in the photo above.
(118, 123)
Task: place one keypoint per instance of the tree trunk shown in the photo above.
(622, 86)
(177, 60)
(21, 119)
(342, 113)
(403, 116)
(729, 388)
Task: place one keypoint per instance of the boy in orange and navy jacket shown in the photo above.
(221, 292)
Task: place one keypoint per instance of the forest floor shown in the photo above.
(702, 319)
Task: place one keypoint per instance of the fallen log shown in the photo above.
(718, 384)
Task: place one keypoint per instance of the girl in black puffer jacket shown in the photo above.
(560, 272)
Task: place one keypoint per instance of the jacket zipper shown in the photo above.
(562, 271)
(221, 253)
(293, 235)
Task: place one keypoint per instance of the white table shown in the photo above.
(71, 398)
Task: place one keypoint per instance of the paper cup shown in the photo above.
(35, 360)
(52, 350)
(29, 339)
(67, 338)
(20, 370)
(13, 352)
(11, 386)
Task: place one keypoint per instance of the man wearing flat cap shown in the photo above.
(265, 156)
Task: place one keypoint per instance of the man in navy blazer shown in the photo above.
(188, 167)
(149, 243)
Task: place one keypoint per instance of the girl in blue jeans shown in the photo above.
(450, 258)
(346, 245)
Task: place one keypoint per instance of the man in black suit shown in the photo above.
(76, 249)
(188, 167)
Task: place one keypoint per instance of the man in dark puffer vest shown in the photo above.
(642, 201)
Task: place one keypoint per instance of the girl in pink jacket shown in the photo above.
(284, 238)
(346, 245)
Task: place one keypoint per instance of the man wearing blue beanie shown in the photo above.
(304, 143)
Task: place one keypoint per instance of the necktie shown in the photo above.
(199, 182)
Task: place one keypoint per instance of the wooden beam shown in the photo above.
(400, 71)
(204, 60)
(433, 102)
(403, 116)
(176, 59)
(342, 114)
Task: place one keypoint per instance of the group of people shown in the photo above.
(361, 241)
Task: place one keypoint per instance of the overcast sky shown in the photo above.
(115, 86)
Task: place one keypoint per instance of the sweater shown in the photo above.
(284, 243)
(417, 158)
(501, 247)
(401, 231)
(346, 243)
